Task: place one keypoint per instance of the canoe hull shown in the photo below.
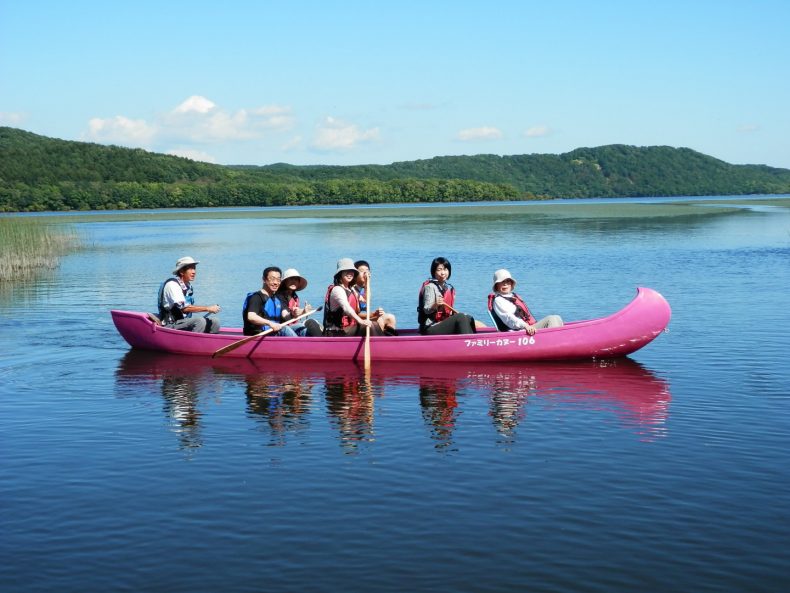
(619, 334)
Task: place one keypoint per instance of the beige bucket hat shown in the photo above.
(502, 275)
(184, 262)
(345, 264)
(293, 273)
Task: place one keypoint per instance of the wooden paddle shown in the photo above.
(450, 308)
(367, 329)
(234, 345)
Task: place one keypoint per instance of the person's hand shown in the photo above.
(275, 327)
(530, 330)
(286, 314)
(366, 323)
(439, 300)
(214, 309)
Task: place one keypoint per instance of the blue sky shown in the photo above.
(356, 82)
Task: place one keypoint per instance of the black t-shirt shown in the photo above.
(256, 303)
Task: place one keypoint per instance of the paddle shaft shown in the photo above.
(367, 328)
(234, 345)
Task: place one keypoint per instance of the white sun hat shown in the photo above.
(293, 273)
(501, 276)
(184, 262)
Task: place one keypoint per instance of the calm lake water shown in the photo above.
(666, 471)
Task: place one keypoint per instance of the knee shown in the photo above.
(212, 325)
(555, 321)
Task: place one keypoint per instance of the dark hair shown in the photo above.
(271, 269)
(361, 262)
(441, 261)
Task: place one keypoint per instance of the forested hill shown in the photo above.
(606, 171)
(39, 173)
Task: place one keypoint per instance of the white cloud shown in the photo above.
(195, 104)
(8, 118)
(197, 119)
(195, 155)
(484, 133)
(335, 134)
(200, 119)
(537, 131)
(121, 130)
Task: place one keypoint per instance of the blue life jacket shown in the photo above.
(272, 306)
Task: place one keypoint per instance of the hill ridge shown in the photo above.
(41, 173)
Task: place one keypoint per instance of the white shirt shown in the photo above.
(174, 294)
(505, 309)
(338, 299)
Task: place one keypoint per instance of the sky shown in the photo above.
(379, 81)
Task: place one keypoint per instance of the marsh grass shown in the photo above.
(28, 246)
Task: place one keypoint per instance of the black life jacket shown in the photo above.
(169, 315)
(448, 294)
(522, 311)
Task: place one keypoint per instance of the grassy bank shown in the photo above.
(28, 245)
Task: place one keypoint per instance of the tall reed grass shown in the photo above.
(28, 246)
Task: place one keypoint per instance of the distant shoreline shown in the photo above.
(620, 207)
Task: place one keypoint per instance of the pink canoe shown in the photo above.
(619, 334)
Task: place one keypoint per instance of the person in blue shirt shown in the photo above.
(263, 310)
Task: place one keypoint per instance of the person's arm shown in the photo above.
(174, 296)
(339, 300)
(506, 311)
(254, 310)
(201, 309)
(431, 298)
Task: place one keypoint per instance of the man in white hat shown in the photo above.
(510, 312)
(177, 303)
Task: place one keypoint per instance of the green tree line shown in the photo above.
(46, 174)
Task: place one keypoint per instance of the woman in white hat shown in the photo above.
(177, 303)
(341, 307)
(510, 312)
(291, 283)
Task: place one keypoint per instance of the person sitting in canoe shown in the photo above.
(291, 283)
(510, 312)
(177, 303)
(435, 311)
(386, 321)
(341, 307)
(263, 309)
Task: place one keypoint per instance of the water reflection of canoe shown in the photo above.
(619, 334)
(638, 396)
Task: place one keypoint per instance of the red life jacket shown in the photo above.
(522, 311)
(291, 303)
(448, 294)
(338, 319)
